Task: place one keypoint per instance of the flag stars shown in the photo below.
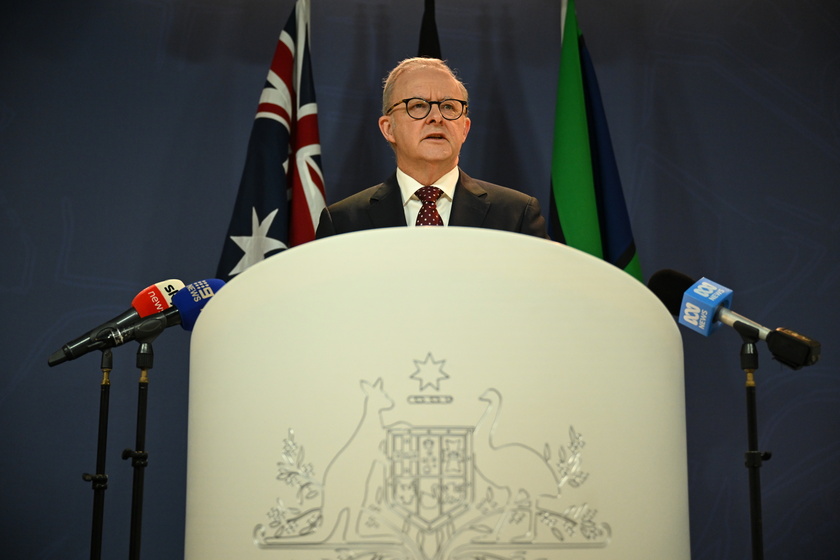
(258, 244)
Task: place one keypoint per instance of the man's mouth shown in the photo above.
(434, 136)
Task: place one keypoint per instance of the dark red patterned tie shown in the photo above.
(428, 215)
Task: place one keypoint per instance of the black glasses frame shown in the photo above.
(464, 107)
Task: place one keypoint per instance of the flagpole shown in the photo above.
(564, 5)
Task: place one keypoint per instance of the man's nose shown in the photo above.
(432, 117)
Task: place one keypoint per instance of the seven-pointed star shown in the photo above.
(429, 372)
(257, 244)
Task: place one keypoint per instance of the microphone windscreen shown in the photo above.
(156, 298)
(670, 286)
(151, 301)
(191, 299)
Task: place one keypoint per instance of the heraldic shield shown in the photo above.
(430, 480)
(514, 417)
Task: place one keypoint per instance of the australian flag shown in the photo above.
(281, 193)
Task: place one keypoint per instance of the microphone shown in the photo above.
(704, 305)
(156, 298)
(183, 308)
(150, 300)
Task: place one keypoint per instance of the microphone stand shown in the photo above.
(99, 481)
(139, 457)
(753, 457)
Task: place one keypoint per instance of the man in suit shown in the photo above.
(425, 119)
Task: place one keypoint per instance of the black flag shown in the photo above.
(429, 43)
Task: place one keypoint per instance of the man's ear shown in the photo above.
(386, 127)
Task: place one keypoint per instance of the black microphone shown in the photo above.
(148, 301)
(703, 306)
(185, 307)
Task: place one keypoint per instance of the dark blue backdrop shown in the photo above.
(123, 128)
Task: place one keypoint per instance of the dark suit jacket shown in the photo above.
(475, 204)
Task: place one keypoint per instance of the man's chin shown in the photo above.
(436, 151)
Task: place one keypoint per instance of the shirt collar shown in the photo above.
(408, 185)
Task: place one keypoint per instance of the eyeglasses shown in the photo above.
(419, 108)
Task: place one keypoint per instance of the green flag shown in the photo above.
(587, 209)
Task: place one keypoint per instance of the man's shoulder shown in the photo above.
(374, 207)
(494, 191)
(366, 196)
(361, 197)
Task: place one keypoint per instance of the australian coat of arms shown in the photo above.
(430, 492)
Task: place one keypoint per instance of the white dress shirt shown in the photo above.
(412, 204)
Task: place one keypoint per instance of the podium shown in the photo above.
(436, 393)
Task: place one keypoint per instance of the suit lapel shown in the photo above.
(386, 209)
(469, 205)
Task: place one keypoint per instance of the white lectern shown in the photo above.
(436, 393)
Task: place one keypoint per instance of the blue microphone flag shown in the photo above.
(701, 303)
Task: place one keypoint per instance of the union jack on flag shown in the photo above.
(281, 193)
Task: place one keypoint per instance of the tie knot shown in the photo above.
(428, 194)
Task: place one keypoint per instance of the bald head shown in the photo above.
(407, 66)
